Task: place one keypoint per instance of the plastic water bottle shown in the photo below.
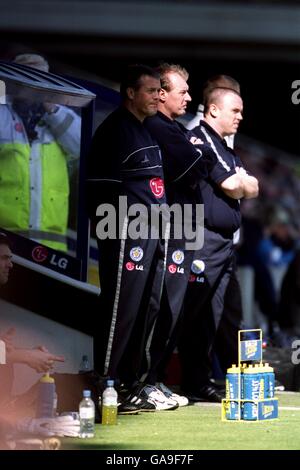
(84, 365)
(47, 398)
(109, 404)
(87, 415)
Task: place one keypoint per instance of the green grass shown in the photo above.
(197, 427)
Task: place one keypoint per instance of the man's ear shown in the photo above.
(130, 93)
(162, 95)
(214, 110)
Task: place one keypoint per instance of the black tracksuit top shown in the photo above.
(184, 164)
(124, 159)
(222, 213)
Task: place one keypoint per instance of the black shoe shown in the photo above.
(219, 386)
(206, 393)
(128, 408)
(144, 405)
(150, 398)
(132, 402)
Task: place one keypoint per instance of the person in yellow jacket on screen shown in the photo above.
(37, 140)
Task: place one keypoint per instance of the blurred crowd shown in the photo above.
(270, 239)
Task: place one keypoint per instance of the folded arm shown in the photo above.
(240, 185)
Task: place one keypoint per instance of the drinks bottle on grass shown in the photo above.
(109, 404)
(87, 415)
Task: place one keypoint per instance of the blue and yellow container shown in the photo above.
(250, 384)
(233, 392)
(269, 378)
(252, 380)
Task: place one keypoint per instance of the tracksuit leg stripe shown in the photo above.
(117, 296)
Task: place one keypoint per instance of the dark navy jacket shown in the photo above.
(222, 213)
(124, 159)
(184, 164)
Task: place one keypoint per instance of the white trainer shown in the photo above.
(180, 399)
(158, 398)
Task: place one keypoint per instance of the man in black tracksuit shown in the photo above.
(213, 268)
(186, 161)
(125, 160)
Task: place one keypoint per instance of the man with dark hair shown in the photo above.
(133, 77)
(207, 302)
(125, 161)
